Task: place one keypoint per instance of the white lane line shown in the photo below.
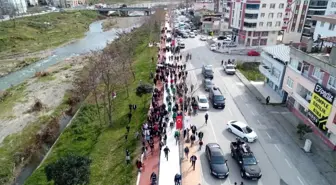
(253, 113)
(276, 146)
(230, 111)
(259, 122)
(268, 135)
(213, 131)
(300, 180)
(290, 166)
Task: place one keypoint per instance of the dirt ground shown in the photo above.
(49, 90)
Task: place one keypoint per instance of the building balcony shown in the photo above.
(248, 20)
(267, 72)
(252, 11)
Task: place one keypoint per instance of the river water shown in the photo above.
(95, 39)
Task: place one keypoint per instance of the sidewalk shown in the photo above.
(321, 155)
(151, 163)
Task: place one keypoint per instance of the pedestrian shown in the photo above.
(222, 62)
(268, 100)
(242, 183)
(138, 164)
(200, 145)
(128, 128)
(177, 136)
(177, 179)
(206, 116)
(235, 183)
(184, 133)
(193, 160)
(129, 117)
(161, 144)
(130, 107)
(151, 145)
(144, 151)
(126, 136)
(128, 157)
(192, 139)
(193, 129)
(191, 88)
(166, 151)
(200, 135)
(186, 152)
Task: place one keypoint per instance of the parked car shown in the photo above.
(227, 41)
(192, 35)
(230, 69)
(181, 45)
(207, 84)
(242, 130)
(203, 38)
(184, 35)
(203, 103)
(213, 47)
(253, 53)
(217, 162)
(216, 97)
(207, 71)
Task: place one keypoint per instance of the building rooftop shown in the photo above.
(280, 52)
(325, 18)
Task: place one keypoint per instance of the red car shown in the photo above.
(253, 53)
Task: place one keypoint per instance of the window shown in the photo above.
(290, 82)
(281, 5)
(256, 34)
(279, 15)
(264, 5)
(333, 5)
(332, 82)
(272, 6)
(332, 27)
(264, 33)
(270, 15)
(322, 24)
(296, 65)
(317, 73)
(277, 23)
(269, 24)
(262, 15)
(305, 2)
(261, 24)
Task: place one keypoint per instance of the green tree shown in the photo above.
(69, 170)
(303, 129)
(143, 89)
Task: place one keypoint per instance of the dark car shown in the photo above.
(216, 98)
(249, 168)
(217, 162)
(207, 71)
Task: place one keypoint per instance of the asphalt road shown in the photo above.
(278, 160)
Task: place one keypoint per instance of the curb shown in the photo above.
(248, 85)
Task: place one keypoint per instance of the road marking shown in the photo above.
(274, 112)
(259, 122)
(300, 180)
(230, 111)
(290, 166)
(213, 130)
(247, 105)
(252, 113)
(276, 146)
(268, 135)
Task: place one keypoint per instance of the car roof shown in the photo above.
(240, 124)
(207, 66)
(202, 96)
(215, 149)
(207, 80)
(216, 91)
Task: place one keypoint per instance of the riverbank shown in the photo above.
(20, 124)
(121, 22)
(103, 144)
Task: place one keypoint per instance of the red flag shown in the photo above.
(179, 122)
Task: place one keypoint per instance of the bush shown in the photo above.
(303, 129)
(250, 70)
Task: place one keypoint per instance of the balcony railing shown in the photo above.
(267, 72)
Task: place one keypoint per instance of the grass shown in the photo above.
(37, 33)
(15, 144)
(47, 78)
(105, 145)
(251, 71)
(15, 94)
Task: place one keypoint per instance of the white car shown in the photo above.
(213, 47)
(203, 103)
(192, 35)
(227, 41)
(242, 130)
(203, 38)
(209, 38)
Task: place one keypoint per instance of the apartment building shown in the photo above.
(67, 3)
(256, 22)
(13, 7)
(32, 2)
(310, 81)
(331, 7)
(273, 66)
(316, 7)
(325, 26)
(295, 14)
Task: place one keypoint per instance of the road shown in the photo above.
(277, 159)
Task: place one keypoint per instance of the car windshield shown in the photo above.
(229, 67)
(219, 98)
(217, 160)
(208, 82)
(250, 160)
(209, 71)
(203, 100)
(247, 129)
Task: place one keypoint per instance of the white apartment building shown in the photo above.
(273, 66)
(256, 22)
(68, 3)
(32, 2)
(20, 6)
(331, 7)
(325, 26)
(295, 14)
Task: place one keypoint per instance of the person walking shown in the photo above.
(222, 62)
(166, 151)
(200, 145)
(161, 144)
(128, 157)
(129, 117)
(151, 145)
(138, 164)
(177, 136)
(165, 139)
(206, 116)
(177, 179)
(186, 152)
(128, 128)
(192, 139)
(200, 135)
(268, 100)
(193, 160)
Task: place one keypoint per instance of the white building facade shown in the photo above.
(256, 22)
(331, 7)
(325, 26)
(273, 66)
(20, 6)
(32, 2)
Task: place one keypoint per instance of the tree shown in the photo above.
(69, 170)
(143, 89)
(302, 130)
